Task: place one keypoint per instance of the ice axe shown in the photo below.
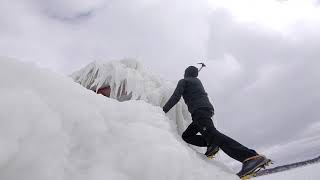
(202, 65)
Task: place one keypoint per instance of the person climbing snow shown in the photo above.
(196, 98)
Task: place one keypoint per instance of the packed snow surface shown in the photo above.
(52, 128)
(310, 172)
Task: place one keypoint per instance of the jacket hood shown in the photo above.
(191, 71)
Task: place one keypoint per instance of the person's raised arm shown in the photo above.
(174, 99)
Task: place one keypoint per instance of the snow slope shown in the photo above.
(310, 172)
(54, 129)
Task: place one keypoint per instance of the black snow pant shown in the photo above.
(202, 122)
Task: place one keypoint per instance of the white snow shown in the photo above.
(310, 172)
(54, 129)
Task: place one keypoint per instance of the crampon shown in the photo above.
(253, 173)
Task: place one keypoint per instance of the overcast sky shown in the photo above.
(262, 56)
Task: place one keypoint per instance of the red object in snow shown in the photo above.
(106, 91)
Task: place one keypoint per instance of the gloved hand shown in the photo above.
(165, 110)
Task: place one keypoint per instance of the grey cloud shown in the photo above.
(160, 33)
(156, 32)
(68, 10)
(250, 43)
(75, 18)
(276, 90)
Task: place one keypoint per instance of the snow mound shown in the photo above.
(53, 129)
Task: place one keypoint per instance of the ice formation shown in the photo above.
(129, 76)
